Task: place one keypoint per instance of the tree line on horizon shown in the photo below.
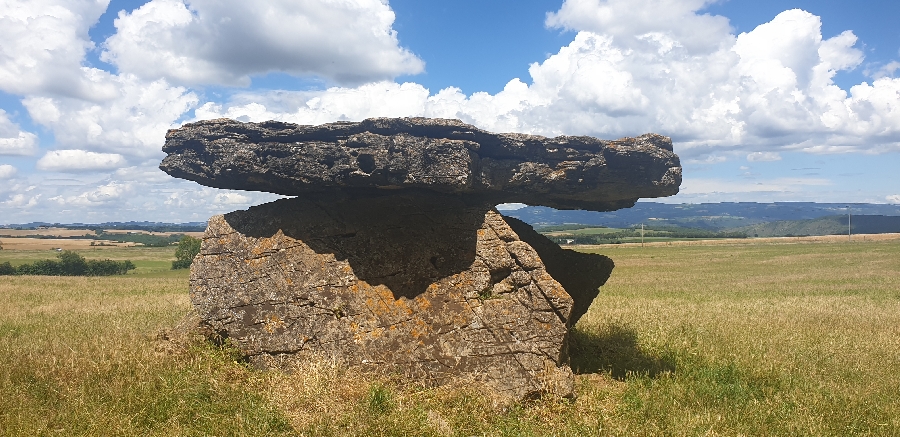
(68, 263)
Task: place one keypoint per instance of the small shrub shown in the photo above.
(188, 248)
(7, 269)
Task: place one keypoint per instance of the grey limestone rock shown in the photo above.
(445, 156)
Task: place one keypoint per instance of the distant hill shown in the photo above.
(132, 226)
(709, 216)
(831, 225)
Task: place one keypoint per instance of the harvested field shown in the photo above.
(51, 232)
(158, 234)
(53, 243)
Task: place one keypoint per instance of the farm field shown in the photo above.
(43, 245)
(757, 337)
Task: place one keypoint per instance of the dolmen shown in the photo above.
(389, 253)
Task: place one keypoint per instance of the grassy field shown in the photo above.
(764, 338)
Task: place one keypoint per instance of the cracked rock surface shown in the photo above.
(439, 155)
(434, 287)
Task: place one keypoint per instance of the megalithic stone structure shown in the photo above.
(392, 255)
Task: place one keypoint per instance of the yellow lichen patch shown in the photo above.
(265, 245)
(376, 333)
(273, 322)
(422, 302)
(420, 329)
(401, 305)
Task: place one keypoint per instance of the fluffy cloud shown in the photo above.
(894, 198)
(79, 160)
(886, 70)
(22, 201)
(44, 43)
(764, 157)
(669, 24)
(133, 121)
(14, 141)
(7, 171)
(233, 199)
(186, 196)
(105, 194)
(224, 42)
(41, 58)
(384, 99)
(627, 72)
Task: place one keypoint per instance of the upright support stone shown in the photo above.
(427, 285)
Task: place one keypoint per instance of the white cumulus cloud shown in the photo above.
(893, 198)
(79, 160)
(14, 141)
(627, 72)
(42, 58)
(104, 194)
(764, 157)
(668, 23)
(7, 171)
(226, 41)
(133, 122)
(233, 199)
(886, 70)
(44, 43)
(22, 200)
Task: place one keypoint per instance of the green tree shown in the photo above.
(72, 264)
(188, 248)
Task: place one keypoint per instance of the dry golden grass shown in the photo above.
(735, 339)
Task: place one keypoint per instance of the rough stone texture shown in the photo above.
(440, 155)
(434, 286)
(581, 274)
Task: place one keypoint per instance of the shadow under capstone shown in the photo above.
(581, 274)
(403, 241)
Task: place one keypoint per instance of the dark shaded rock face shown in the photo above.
(432, 286)
(392, 256)
(445, 156)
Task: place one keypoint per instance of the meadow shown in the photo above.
(774, 337)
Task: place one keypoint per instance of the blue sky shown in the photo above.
(765, 100)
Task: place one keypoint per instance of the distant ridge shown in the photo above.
(831, 225)
(131, 225)
(710, 216)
